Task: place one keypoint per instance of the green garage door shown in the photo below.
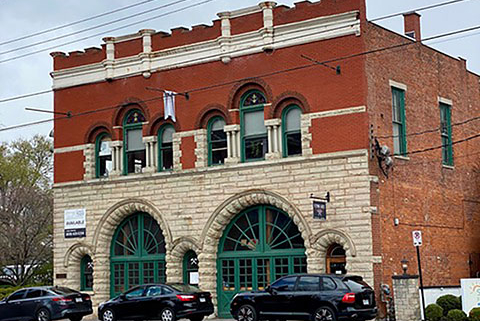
(260, 245)
(137, 253)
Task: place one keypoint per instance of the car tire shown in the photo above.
(324, 313)
(108, 315)
(246, 313)
(197, 318)
(42, 315)
(167, 314)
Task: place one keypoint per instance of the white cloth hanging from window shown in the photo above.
(169, 104)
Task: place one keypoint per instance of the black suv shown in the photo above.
(314, 297)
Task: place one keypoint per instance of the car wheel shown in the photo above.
(108, 315)
(43, 315)
(197, 318)
(246, 313)
(324, 314)
(167, 314)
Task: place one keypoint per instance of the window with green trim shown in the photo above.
(165, 147)
(134, 148)
(190, 268)
(103, 155)
(86, 273)
(446, 134)
(398, 119)
(292, 138)
(253, 131)
(217, 141)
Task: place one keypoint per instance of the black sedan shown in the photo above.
(166, 302)
(312, 297)
(45, 304)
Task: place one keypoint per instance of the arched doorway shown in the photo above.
(259, 245)
(336, 259)
(137, 253)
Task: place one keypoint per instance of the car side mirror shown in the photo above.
(122, 297)
(268, 288)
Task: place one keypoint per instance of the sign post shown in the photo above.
(417, 242)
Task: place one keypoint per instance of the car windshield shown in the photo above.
(62, 290)
(184, 287)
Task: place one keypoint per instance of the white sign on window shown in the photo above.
(75, 223)
(194, 278)
(470, 294)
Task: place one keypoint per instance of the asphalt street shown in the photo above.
(92, 318)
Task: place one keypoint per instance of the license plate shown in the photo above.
(366, 302)
(78, 300)
(202, 299)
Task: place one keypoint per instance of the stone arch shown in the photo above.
(72, 260)
(224, 213)
(322, 241)
(103, 235)
(179, 248)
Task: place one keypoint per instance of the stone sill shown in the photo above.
(400, 157)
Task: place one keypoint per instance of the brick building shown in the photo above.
(222, 195)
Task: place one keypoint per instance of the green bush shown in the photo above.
(433, 312)
(474, 314)
(7, 290)
(456, 315)
(449, 302)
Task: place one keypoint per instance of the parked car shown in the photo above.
(45, 304)
(166, 302)
(314, 297)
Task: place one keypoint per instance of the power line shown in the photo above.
(92, 28)
(26, 95)
(442, 146)
(74, 23)
(418, 9)
(103, 32)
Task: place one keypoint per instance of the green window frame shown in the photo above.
(399, 122)
(217, 142)
(190, 265)
(86, 273)
(165, 149)
(291, 133)
(446, 134)
(133, 122)
(101, 160)
(254, 145)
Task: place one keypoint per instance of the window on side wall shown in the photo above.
(165, 146)
(134, 155)
(217, 141)
(103, 155)
(253, 130)
(292, 140)
(446, 134)
(86, 274)
(398, 119)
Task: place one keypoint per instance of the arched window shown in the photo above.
(86, 273)
(103, 155)
(190, 268)
(165, 147)
(217, 141)
(253, 130)
(134, 155)
(292, 138)
(336, 259)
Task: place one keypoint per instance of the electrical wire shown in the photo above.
(103, 32)
(92, 28)
(74, 23)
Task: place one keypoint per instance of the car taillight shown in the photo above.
(349, 298)
(62, 300)
(185, 297)
(87, 298)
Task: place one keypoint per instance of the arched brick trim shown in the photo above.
(157, 122)
(242, 87)
(127, 105)
(220, 218)
(175, 265)
(72, 260)
(210, 111)
(285, 99)
(94, 130)
(322, 240)
(103, 235)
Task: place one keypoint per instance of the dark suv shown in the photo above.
(312, 297)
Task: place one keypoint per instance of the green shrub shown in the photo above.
(474, 314)
(456, 315)
(433, 312)
(7, 290)
(449, 302)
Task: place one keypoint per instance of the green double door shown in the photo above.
(259, 246)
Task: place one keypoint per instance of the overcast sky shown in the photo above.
(31, 74)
